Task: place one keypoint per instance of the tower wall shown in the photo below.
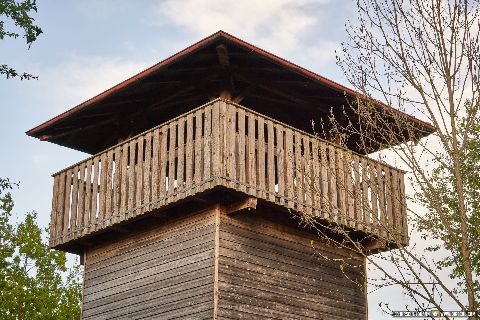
(268, 270)
(246, 266)
(165, 273)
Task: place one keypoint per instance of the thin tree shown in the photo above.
(421, 57)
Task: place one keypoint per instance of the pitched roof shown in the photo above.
(145, 89)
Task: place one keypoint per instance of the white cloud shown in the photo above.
(79, 78)
(275, 25)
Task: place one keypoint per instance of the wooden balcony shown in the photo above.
(222, 144)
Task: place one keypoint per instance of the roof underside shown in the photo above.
(192, 77)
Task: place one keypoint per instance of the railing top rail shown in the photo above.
(238, 106)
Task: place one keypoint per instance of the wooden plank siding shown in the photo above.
(224, 144)
(267, 271)
(208, 265)
(165, 273)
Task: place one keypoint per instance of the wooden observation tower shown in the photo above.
(185, 208)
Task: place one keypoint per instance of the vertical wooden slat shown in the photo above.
(388, 201)
(164, 155)
(180, 156)
(251, 159)
(171, 157)
(280, 162)
(116, 184)
(316, 177)
(81, 199)
(396, 205)
(230, 143)
(124, 182)
(349, 192)
(66, 212)
(131, 177)
(299, 172)
(59, 229)
(325, 182)
(94, 210)
(289, 168)
(139, 175)
(103, 189)
(54, 213)
(155, 165)
(207, 143)
(341, 185)
(270, 161)
(73, 215)
(189, 152)
(216, 140)
(381, 201)
(374, 194)
(147, 183)
(357, 193)
(307, 175)
(403, 210)
(332, 184)
(365, 201)
(241, 150)
(88, 196)
(197, 176)
(261, 156)
(108, 197)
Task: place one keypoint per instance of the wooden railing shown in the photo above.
(225, 144)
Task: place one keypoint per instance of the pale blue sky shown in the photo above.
(89, 46)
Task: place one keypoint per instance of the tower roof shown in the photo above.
(221, 62)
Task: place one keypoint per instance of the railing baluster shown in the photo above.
(88, 197)
(107, 215)
(240, 161)
(280, 163)
(290, 168)
(261, 156)
(147, 176)
(180, 157)
(270, 161)
(81, 200)
(73, 215)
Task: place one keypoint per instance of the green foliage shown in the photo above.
(35, 282)
(446, 198)
(18, 13)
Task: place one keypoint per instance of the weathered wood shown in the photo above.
(299, 174)
(289, 168)
(189, 153)
(155, 165)
(96, 171)
(280, 163)
(81, 199)
(88, 197)
(270, 161)
(241, 161)
(102, 200)
(124, 188)
(198, 162)
(108, 196)
(261, 156)
(207, 143)
(147, 175)
(246, 204)
(74, 209)
(131, 177)
(66, 212)
(139, 175)
(225, 144)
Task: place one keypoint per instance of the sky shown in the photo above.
(89, 46)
